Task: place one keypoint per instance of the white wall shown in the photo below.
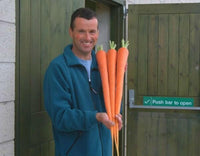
(161, 1)
(7, 76)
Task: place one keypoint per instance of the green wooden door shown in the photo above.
(164, 61)
(42, 33)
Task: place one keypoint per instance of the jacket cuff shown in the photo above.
(92, 117)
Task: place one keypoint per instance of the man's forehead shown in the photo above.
(82, 22)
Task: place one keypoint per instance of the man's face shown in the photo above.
(84, 35)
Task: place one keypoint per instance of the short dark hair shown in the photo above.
(83, 13)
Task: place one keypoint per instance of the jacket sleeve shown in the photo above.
(58, 103)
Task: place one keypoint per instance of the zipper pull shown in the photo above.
(92, 89)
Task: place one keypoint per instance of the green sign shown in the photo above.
(168, 101)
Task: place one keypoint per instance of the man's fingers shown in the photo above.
(109, 124)
(103, 118)
(119, 116)
(120, 121)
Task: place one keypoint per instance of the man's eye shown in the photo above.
(81, 31)
(92, 32)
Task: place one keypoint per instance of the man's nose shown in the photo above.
(87, 35)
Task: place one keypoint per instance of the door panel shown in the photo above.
(163, 61)
(164, 57)
(43, 33)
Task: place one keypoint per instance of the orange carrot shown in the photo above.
(122, 57)
(102, 64)
(111, 63)
(112, 67)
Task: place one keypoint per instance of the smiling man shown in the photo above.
(84, 34)
(73, 94)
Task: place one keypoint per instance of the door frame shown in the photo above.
(17, 79)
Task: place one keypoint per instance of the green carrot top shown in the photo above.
(112, 45)
(99, 47)
(125, 43)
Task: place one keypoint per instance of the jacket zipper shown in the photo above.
(92, 90)
(75, 140)
(95, 92)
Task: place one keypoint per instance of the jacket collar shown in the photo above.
(73, 61)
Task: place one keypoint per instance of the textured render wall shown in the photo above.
(7, 76)
(161, 1)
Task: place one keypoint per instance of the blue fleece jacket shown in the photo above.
(72, 103)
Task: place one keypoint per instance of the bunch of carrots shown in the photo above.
(112, 66)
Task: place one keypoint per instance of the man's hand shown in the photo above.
(103, 118)
(120, 121)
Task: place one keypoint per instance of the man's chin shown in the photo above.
(87, 50)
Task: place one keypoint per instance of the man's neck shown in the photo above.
(86, 56)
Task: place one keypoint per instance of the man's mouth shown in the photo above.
(87, 43)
